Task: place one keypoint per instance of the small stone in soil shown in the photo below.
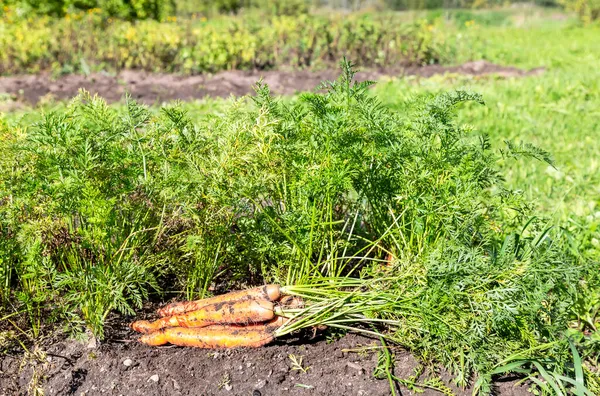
(354, 366)
(127, 362)
(154, 378)
(260, 384)
(92, 343)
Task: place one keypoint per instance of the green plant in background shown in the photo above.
(464, 18)
(126, 9)
(88, 42)
(588, 10)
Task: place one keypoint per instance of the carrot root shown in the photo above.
(240, 312)
(268, 292)
(213, 337)
(291, 302)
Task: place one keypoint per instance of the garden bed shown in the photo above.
(120, 367)
(151, 88)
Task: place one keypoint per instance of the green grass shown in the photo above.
(557, 110)
(172, 200)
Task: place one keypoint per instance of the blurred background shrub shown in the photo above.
(161, 9)
(86, 41)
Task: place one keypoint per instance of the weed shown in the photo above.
(36, 359)
(304, 386)
(297, 364)
(225, 382)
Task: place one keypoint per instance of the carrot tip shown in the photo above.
(273, 292)
(141, 326)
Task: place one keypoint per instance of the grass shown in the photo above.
(494, 256)
(556, 110)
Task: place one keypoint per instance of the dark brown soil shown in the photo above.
(152, 88)
(125, 367)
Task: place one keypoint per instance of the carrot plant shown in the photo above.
(396, 224)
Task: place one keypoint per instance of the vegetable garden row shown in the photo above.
(394, 224)
(382, 212)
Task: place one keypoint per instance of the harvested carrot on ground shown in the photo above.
(215, 337)
(291, 302)
(240, 312)
(268, 292)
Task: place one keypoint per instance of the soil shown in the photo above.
(151, 88)
(122, 366)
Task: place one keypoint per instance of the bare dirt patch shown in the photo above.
(151, 88)
(122, 366)
(129, 368)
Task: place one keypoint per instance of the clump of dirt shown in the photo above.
(151, 88)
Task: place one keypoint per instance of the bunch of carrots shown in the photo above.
(245, 318)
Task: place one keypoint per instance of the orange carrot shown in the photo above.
(291, 302)
(215, 337)
(268, 292)
(275, 323)
(240, 312)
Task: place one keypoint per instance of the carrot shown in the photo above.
(240, 312)
(291, 302)
(268, 292)
(215, 337)
(275, 323)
